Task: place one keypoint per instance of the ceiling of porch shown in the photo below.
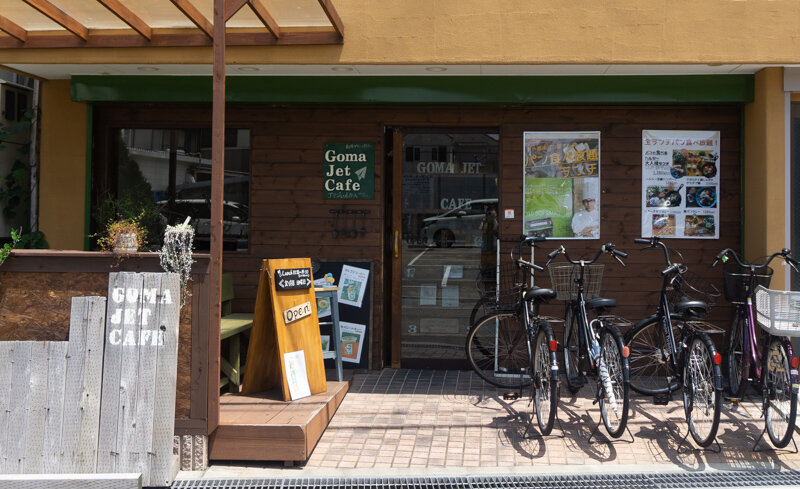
(164, 23)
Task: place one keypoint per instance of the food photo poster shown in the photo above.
(353, 283)
(680, 184)
(561, 184)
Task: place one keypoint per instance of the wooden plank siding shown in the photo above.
(289, 217)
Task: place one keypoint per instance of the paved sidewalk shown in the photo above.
(415, 422)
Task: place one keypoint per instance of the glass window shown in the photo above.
(164, 175)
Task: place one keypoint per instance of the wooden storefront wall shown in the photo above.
(289, 217)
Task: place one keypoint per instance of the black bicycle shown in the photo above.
(513, 346)
(669, 350)
(595, 346)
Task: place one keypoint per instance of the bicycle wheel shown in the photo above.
(701, 401)
(497, 350)
(738, 364)
(484, 306)
(780, 400)
(545, 387)
(611, 369)
(650, 370)
(572, 348)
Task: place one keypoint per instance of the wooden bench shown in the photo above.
(233, 327)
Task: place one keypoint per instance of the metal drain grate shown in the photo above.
(755, 478)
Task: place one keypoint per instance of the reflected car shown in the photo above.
(235, 227)
(460, 226)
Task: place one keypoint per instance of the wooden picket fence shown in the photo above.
(103, 401)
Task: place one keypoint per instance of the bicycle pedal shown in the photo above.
(510, 396)
(733, 400)
(661, 399)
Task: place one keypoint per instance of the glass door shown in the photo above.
(449, 232)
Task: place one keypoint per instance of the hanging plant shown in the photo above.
(176, 254)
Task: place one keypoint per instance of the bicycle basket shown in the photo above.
(693, 287)
(508, 283)
(737, 278)
(778, 311)
(563, 277)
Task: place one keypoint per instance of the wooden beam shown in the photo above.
(233, 6)
(60, 17)
(190, 11)
(189, 37)
(261, 12)
(125, 15)
(13, 29)
(217, 188)
(333, 16)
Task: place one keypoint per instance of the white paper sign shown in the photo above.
(353, 283)
(681, 184)
(295, 363)
(352, 341)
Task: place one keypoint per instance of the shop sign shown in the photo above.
(681, 184)
(561, 184)
(348, 171)
(297, 312)
(292, 278)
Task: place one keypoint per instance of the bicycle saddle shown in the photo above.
(690, 307)
(601, 303)
(540, 294)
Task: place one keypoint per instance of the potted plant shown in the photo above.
(175, 254)
(124, 235)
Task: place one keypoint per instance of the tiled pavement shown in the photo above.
(407, 421)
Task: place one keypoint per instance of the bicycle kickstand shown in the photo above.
(608, 440)
(698, 449)
(772, 449)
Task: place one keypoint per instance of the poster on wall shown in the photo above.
(561, 184)
(680, 184)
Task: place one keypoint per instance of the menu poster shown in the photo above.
(353, 283)
(680, 184)
(352, 341)
(561, 184)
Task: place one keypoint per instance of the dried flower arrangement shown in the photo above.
(176, 254)
(123, 235)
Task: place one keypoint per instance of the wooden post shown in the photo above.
(217, 190)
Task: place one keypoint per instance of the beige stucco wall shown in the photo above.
(516, 32)
(764, 170)
(63, 167)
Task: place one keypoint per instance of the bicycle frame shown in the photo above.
(587, 336)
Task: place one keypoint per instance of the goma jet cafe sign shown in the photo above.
(348, 171)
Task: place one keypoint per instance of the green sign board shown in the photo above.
(348, 171)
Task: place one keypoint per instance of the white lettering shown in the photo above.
(118, 294)
(330, 155)
(115, 336)
(130, 316)
(167, 297)
(129, 340)
(132, 295)
(435, 167)
(145, 316)
(116, 318)
(149, 295)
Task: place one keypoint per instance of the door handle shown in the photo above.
(396, 243)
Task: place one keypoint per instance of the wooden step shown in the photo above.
(263, 427)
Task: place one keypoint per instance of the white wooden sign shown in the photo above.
(297, 312)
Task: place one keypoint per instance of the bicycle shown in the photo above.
(745, 286)
(594, 346)
(515, 347)
(669, 350)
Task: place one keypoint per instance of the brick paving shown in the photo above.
(406, 419)
(414, 422)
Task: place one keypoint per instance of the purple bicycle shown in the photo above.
(746, 287)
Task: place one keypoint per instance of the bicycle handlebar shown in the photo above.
(606, 248)
(784, 253)
(652, 243)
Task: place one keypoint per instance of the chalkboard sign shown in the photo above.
(355, 308)
(292, 278)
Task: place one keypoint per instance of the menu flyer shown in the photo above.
(680, 184)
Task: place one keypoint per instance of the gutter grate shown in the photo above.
(689, 480)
